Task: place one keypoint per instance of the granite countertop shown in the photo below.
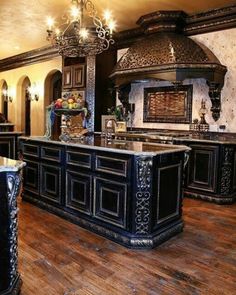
(211, 137)
(6, 124)
(8, 165)
(121, 146)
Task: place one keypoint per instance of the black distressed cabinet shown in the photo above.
(8, 144)
(126, 197)
(211, 172)
(79, 191)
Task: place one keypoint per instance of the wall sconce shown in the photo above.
(33, 92)
(7, 94)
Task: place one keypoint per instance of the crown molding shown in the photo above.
(204, 22)
(210, 21)
(28, 58)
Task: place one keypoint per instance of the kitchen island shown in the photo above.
(10, 181)
(130, 192)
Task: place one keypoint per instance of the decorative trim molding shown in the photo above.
(143, 195)
(214, 199)
(226, 171)
(90, 90)
(31, 57)
(13, 187)
(205, 22)
(210, 21)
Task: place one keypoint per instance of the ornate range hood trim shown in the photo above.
(166, 54)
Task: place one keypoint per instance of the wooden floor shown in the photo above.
(57, 257)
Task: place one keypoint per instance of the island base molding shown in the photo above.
(220, 200)
(142, 242)
(15, 288)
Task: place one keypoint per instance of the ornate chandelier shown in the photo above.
(83, 31)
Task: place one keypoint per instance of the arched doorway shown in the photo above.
(24, 108)
(52, 86)
(53, 90)
(27, 109)
(4, 101)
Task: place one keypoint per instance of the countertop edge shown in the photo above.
(10, 165)
(173, 148)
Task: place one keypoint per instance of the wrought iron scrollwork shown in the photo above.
(13, 188)
(226, 171)
(143, 194)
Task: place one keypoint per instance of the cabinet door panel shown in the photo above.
(234, 172)
(7, 147)
(78, 76)
(67, 77)
(168, 196)
(110, 201)
(203, 163)
(31, 176)
(50, 183)
(79, 191)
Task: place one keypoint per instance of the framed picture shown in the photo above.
(171, 104)
(105, 119)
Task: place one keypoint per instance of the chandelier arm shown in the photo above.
(90, 8)
(102, 32)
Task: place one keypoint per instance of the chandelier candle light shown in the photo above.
(83, 31)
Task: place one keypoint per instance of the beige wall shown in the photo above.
(223, 45)
(36, 73)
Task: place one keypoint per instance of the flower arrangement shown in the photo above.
(120, 113)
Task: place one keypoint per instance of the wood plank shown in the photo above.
(58, 257)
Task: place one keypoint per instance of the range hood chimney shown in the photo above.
(165, 53)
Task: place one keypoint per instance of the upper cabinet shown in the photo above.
(74, 73)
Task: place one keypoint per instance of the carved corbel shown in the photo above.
(215, 96)
(123, 95)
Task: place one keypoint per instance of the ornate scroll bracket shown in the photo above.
(215, 96)
(123, 95)
(143, 194)
(226, 171)
(13, 187)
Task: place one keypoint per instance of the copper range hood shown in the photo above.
(165, 53)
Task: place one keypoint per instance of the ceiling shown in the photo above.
(23, 22)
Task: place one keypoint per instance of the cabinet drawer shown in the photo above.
(79, 158)
(31, 150)
(112, 165)
(51, 153)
